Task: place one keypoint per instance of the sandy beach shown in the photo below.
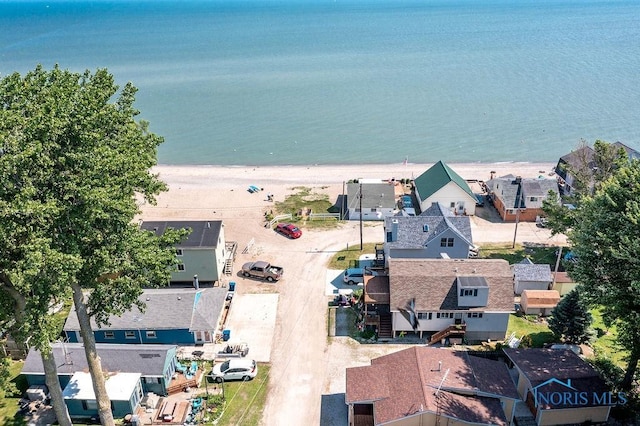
(220, 192)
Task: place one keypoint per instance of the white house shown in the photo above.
(440, 184)
(371, 199)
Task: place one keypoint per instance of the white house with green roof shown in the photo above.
(440, 184)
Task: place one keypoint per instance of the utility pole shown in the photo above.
(518, 200)
(555, 271)
(360, 197)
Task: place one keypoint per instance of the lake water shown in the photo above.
(337, 82)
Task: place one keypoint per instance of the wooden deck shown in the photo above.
(172, 413)
(181, 382)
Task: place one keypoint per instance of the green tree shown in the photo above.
(607, 265)
(571, 320)
(592, 167)
(73, 162)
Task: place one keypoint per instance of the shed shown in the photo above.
(539, 302)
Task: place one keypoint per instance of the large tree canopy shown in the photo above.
(73, 159)
(571, 320)
(606, 241)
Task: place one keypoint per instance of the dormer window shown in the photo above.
(425, 228)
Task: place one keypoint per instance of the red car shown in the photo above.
(289, 230)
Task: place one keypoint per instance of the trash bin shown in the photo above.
(226, 335)
(232, 286)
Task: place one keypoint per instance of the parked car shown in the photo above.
(479, 200)
(289, 230)
(353, 276)
(262, 270)
(407, 202)
(234, 369)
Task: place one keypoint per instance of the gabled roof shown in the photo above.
(545, 365)
(166, 309)
(543, 299)
(532, 272)
(204, 233)
(576, 157)
(539, 187)
(418, 231)
(436, 177)
(432, 283)
(405, 382)
(631, 153)
(149, 360)
(380, 194)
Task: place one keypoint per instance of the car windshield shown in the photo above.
(293, 229)
(225, 366)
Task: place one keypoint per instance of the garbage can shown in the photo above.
(226, 335)
(232, 286)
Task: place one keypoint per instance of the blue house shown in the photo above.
(175, 316)
(124, 390)
(156, 364)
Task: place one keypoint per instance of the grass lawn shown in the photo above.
(345, 258)
(245, 400)
(533, 333)
(9, 405)
(605, 344)
(537, 254)
(306, 198)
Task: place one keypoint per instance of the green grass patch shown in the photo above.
(9, 404)
(605, 345)
(245, 400)
(534, 334)
(347, 256)
(537, 254)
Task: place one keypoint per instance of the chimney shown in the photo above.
(439, 365)
(208, 224)
(196, 284)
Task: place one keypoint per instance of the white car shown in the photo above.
(234, 369)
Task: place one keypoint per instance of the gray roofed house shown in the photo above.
(156, 363)
(472, 296)
(521, 199)
(530, 276)
(378, 199)
(203, 252)
(172, 316)
(424, 385)
(435, 233)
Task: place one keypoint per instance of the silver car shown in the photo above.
(234, 369)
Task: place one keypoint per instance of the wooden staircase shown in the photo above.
(458, 329)
(231, 247)
(385, 330)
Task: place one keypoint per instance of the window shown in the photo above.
(373, 210)
(425, 228)
(178, 252)
(108, 335)
(468, 292)
(130, 334)
(446, 242)
(453, 204)
(474, 315)
(389, 237)
(151, 334)
(357, 210)
(533, 199)
(181, 267)
(444, 315)
(89, 405)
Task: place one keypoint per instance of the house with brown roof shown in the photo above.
(428, 386)
(559, 387)
(452, 299)
(539, 302)
(563, 283)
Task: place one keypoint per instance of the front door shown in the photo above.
(199, 337)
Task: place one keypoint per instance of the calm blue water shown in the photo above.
(326, 82)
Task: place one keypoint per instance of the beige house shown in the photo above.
(559, 387)
(425, 386)
(539, 302)
(563, 283)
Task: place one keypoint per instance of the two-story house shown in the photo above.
(435, 233)
(203, 252)
(521, 199)
(441, 184)
(459, 299)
